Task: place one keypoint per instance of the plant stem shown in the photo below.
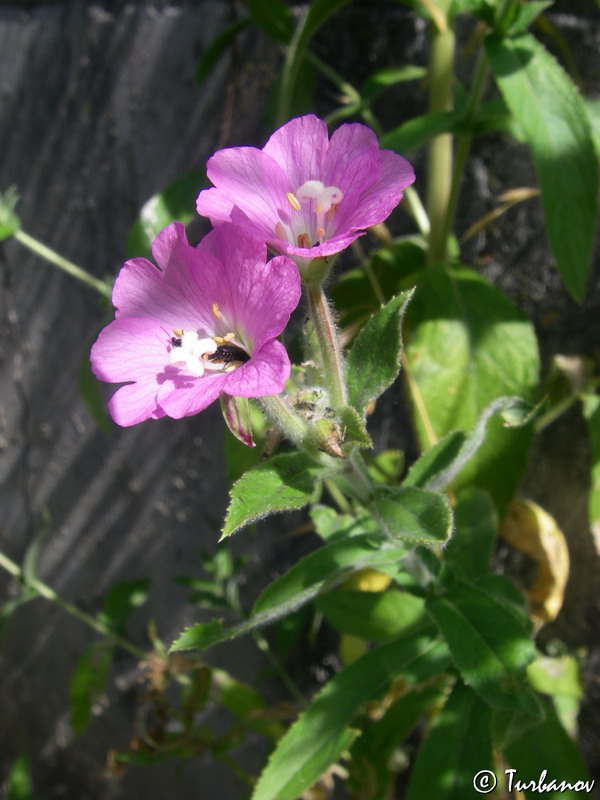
(417, 399)
(439, 161)
(62, 263)
(49, 594)
(329, 345)
(290, 424)
(464, 142)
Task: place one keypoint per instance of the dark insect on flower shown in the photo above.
(176, 341)
(228, 353)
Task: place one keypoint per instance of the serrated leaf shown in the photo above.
(468, 346)
(217, 47)
(457, 747)
(548, 107)
(285, 483)
(412, 515)
(318, 572)
(316, 740)
(374, 361)
(489, 644)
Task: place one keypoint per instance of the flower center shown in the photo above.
(314, 205)
(195, 353)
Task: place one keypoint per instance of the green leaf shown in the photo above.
(490, 645)
(389, 76)
(9, 222)
(316, 573)
(591, 412)
(374, 361)
(121, 601)
(549, 109)
(92, 394)
(176, 202)
(526, 14)
(317, 739)
(458, 746)
(217, 47)
(19, 784)
(437, 467)
(412, 515)
(467, 346)
(88, 683)
(475, 524)
(419, 130)
(273, 16)
(374, 616)
(372, 757)
(547, 749)
(286, 482)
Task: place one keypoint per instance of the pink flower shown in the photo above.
(304, 194)
(202, 323)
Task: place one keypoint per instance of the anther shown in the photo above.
(293, 201)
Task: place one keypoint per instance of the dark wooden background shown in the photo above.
(99, 109)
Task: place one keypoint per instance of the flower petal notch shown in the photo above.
(199, 324)
(306, 195)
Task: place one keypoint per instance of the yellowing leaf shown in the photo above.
(531, 530)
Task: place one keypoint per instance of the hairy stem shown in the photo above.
(329, 346)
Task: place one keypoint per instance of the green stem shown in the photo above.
(415, 208)
(439, 161)
(62, 263)
(329, 345)
(49, 594)
(290, 424)
(464, 142)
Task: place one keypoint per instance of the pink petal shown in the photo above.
(300, 147)
(180, 398)
(265, 373)
(259, 296)
(247, 178)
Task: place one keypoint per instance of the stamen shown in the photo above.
(280, 231)
(293, 201)
(320, 234)
(303, 240)
(215, 310)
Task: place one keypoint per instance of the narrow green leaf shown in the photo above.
(374, 361)
(468, 346)
(548, 107)
(121, 601)
(19, 784)
(374, 616)
(591, 412)
(489, 644)
(217, 47)
(316, 740)
(286, 482)
(372, 764)
(458, 747)
(316, 573)
(273, 16)
(93, 397)
(546, 753)
(430, 470)
(389, 76)
(9, 222)
(527, 13)
(419, 130)
(412, 515)
(88, 683)
(475, 525)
